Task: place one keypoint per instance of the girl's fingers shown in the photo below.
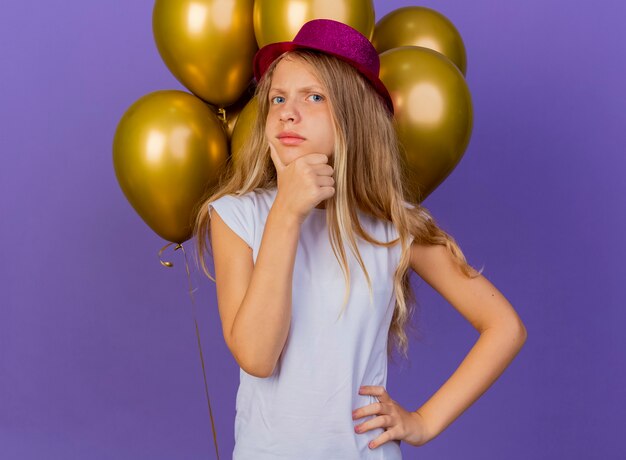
(382, 421)
(323, 169)
(326, 181)
(375, 390)
(398, 423)
(371, 409)
(383, 438)
(278, 164)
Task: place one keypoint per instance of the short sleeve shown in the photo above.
(238, 213)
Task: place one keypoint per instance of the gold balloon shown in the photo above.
(231, 113)
(280, 20)
(420, 26)
(243, 127)
(168, 150)
(208, 45)
(433, 112)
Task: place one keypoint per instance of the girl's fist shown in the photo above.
(303, 183)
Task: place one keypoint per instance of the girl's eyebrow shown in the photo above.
(305, 89)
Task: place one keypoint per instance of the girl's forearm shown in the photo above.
(261, 326)
(486, 361)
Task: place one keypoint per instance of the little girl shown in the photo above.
(310, 324)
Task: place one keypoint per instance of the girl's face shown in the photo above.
(298, 105)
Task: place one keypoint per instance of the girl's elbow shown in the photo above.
(258, 369)
(517, 330)
(523, 333)
(514, 329)
(261, 374)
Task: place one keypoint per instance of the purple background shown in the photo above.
(98, 353)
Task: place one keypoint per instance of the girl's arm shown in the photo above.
(260, 324)
(502, 334)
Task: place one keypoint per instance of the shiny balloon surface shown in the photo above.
(168, 149)
(280, 20)
(433, 112)
(208, 45)
(420, 26)
(243, 128)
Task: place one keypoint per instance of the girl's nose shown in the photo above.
(289, 113)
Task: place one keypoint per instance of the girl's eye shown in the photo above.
(318, 97)
(281, 99)
(273, 100)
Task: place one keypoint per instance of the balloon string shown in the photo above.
(193, 303)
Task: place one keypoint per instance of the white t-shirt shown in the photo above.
(303, 411)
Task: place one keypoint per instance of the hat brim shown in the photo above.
(269, 53)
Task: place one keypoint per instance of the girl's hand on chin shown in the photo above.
(303, 183)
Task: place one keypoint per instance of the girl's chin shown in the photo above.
(294, 153)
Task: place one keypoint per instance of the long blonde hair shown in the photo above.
(369, 173)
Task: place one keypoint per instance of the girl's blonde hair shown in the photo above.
(369, 176)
